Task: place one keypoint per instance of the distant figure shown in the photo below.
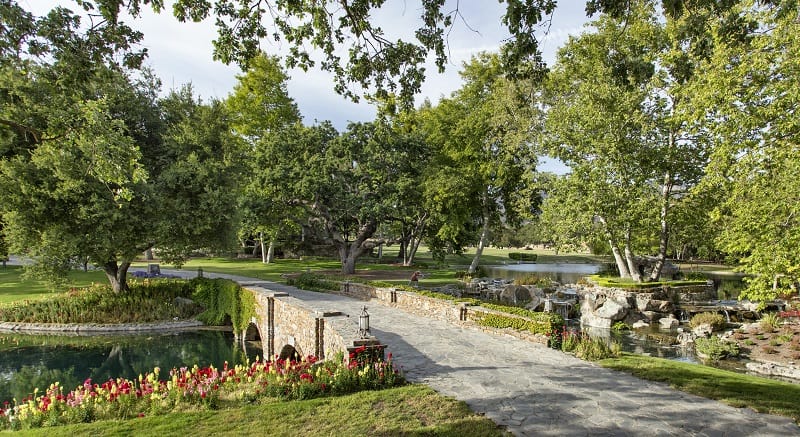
(414, 282)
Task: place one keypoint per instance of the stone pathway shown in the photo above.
(534, 390)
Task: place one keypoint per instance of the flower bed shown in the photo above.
(197, 387)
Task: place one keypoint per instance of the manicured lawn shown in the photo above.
(13, 288)
(408, 410)
(735, 389)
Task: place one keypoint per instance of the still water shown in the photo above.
(29, 361)
(565, 273)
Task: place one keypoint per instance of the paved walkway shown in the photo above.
(534, 390)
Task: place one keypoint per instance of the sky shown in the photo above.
(181, 53)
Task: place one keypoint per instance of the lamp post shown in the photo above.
(363, 323)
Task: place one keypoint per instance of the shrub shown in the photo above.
(524, 320)
(596, 349)
(620, 326)
(768, 349)
(715, 348)
(149, 300)
(522, 256)
(770, 322)
(310, 281)
(717, 321)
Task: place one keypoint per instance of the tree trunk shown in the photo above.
(117, 275)
(412, 252)
(621, 265)
(270, 251)
(481, 244)
(262, 245)
(350, 251)
(148, 254)
(632, 268)
(666, 192)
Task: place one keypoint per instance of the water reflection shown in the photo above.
(28, 361)
(564, 273)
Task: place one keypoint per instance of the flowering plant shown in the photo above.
(206, 387)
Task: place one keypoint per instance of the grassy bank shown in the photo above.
(408, 410)
(735, 389)
(13, 288)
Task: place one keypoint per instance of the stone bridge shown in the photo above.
(292, 328)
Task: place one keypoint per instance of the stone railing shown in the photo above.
(451, 311)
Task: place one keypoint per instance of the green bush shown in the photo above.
(716, 320)
(715, 348)
(596, 349)
(526, 320)
(770, 322)
(150, 300)
(310, 281)
(522, 256)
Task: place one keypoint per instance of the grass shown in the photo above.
(13, 288)
(408, 410)
(631, 284)
(738, 390)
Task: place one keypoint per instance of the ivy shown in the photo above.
(223, 298)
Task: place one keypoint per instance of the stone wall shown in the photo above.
(284, 320)
(457, 313)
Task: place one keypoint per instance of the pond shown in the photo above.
(565, 273)
(29, 361)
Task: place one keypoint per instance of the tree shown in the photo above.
(86, 173)
(483, 172)
(749, 100)
(375, 61)
(615, 120)
(260, 107)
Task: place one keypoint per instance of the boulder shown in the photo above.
(514, 293)
(535, 304)
(613, 309)
(685, 337)
(703, 330)
(640, 324)
(668, 322)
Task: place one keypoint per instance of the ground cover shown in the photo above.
(738, 390)
(777, 344)
(408, 410)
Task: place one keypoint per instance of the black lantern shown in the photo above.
(363, 323)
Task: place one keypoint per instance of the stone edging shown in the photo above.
(95, 328)
(774, 369)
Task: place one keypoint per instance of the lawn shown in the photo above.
(738, 390)
(408, 410)
(14, 288)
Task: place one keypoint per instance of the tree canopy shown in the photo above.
(94, 167)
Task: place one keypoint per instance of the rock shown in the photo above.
(685, 337)
(514, 293)
(613, 309)
(535, 303)
(661, 306)
(535, 292)
(640, 324)
(668, 322)
(786, 371)
(703, 330)
(590, 319)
